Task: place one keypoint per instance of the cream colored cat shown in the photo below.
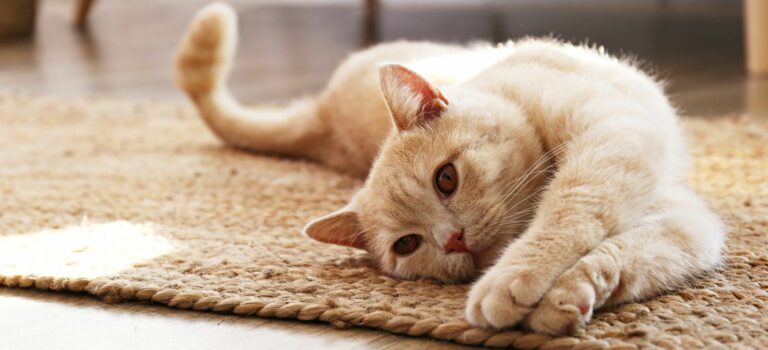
(554, 170)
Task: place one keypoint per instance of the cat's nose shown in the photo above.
(456, 243)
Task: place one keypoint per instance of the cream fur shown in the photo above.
(570, 161)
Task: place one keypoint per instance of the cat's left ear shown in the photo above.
(411, 98)
(341, 227)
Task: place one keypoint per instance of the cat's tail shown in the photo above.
(203, 64)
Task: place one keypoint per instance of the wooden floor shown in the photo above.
(31, 319)
(289, 48)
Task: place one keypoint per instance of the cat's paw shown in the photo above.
(570, 303)
(567, 307)
(503, 297)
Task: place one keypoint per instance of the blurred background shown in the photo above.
(125, 49)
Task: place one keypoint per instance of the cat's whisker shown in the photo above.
(517, 214)
(546, 157)
(518, 183)
(354, 237)
(515, 219)
(531, 178)
(531, 195)
(529, 174)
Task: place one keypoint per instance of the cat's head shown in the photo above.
(451, 185)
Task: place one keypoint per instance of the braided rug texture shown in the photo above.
(138, 201)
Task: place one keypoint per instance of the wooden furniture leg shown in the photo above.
(756, 36)
(17, 17)
(82, 9)
(370, 25)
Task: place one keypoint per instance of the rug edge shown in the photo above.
(337, 316)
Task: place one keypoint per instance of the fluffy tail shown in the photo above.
(203, 63)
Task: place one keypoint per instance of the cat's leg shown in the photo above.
(595, 194)
(203, 64)
(679, 239)
(605, 181)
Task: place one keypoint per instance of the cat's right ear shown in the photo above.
(411, 98)
(341, 227)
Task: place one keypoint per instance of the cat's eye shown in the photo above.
(446, 179)
(407, 245)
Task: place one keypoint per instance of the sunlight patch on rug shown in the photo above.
(87, 250)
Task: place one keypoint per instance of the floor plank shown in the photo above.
(41, 320)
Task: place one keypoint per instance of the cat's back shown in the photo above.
(552, 73)
(565, 87)
(557, 65)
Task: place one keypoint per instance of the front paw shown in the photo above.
(503, 296)
(567, 307)
(575, 295)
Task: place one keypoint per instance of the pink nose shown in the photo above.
(456, 243)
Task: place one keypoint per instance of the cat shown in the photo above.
(554, 170)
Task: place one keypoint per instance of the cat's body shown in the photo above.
(557, 167)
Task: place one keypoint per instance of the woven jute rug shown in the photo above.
(139, 202)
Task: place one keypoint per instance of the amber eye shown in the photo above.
(446, 179)
(407, 244)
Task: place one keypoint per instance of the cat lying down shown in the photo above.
(552, 170)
